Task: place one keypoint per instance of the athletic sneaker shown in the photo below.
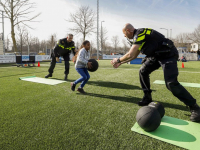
(81, 90)
(49, 75)
(145, 100)
(73, 86)
(195, 113)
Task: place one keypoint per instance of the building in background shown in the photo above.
(195, 47)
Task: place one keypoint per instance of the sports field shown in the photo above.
(38, 116)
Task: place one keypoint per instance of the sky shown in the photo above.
(179, 15)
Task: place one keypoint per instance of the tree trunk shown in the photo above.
(83, 37)
(12, 28)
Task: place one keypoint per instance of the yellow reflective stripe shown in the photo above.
(148, 32)
(140, 38)
(61, 46)
(142, 33)
(141, 46)
(69, 48)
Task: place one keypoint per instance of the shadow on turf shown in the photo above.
(135, 100)
(116, 85)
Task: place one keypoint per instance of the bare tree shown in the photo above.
(18, 12)
(51, 42)
(195, 36)
(28, 38)
(182, 40)
(84, 20)
(20, 40)
(7, 44)
(35, 45)
(92, 47)
(115, 42)
(125, 46)
(103, 38)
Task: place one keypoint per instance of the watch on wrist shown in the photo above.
(118, 60)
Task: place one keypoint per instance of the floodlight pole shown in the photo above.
(165, 29)
(97, 29)
(102, 37)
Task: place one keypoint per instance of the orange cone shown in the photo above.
(98, 59)
(25, 65)
(38, 64)
(182, 65)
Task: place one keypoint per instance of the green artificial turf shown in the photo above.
(38, 116)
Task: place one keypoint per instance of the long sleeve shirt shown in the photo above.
(82, 58)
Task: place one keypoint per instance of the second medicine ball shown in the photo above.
(95, 65)
(159, 107)
(148, 118)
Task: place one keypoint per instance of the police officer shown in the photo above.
(160, 52)
(62, 48)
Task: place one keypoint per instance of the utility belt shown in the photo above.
(166, 49)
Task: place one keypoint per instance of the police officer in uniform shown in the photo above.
(64, 47)
(160, 52)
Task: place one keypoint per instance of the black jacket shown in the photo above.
(153, 43)
(64, 48)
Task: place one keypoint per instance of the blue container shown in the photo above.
(136, 61)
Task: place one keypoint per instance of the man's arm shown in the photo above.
(132, 54)
(56, 51)
(73, 49)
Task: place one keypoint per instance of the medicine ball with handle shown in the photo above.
(159, 107)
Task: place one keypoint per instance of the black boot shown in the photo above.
(49, 75)
(195, 113)
(146, 99)
(65, 78)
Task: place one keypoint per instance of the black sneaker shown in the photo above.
(145, 100)
(65, 78)
(49, 75)
(195, 113)
(81, 90)
(73, 86)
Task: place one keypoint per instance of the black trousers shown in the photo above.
(53, 64)
(170, 70)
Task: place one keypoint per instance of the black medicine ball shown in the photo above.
(159, 107)
(95, 65)
(148, 118)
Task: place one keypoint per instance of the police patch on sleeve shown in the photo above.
(135, 38)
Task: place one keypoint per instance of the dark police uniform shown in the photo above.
(62, 48)
(160, 52)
